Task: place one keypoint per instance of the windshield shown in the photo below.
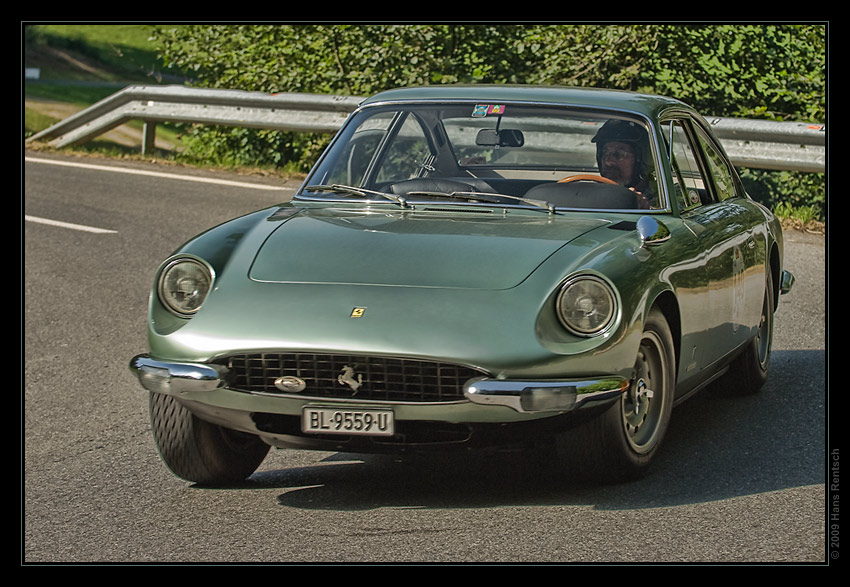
(495, 153)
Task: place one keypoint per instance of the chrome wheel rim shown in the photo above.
(644, 405)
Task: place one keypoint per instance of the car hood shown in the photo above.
(475, 249)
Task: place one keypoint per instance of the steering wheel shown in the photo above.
(596, 178)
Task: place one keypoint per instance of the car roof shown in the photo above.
(646, 104)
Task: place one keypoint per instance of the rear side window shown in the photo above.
(724, 185)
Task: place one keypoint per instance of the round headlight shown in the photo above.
(586, 305)
(183, 286)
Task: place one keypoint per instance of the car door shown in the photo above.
(715, 209)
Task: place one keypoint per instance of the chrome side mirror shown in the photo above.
(651, 231)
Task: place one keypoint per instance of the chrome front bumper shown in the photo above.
(525, 397)
(177, 378)
(786, 282)
(544, 396)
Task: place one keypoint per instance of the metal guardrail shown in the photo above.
(749, 143)
(764, 144)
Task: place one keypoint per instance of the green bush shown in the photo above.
(801, 192)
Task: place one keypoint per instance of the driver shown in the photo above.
(622, 154)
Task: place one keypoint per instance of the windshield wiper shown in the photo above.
(402, 201)
(338, 188)
(489, 198)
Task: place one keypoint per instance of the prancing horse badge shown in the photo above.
(358, 312)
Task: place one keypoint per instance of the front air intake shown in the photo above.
(350, 377)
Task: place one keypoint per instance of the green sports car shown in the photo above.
(470, 266)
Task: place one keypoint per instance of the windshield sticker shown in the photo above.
(486, 109)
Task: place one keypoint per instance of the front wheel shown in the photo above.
(620, 444)
(201, 452)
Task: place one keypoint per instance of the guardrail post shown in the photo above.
(148, 136)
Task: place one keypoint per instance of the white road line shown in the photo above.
(255, 186)
(69, 225)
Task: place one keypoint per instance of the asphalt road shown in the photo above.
(738, 480)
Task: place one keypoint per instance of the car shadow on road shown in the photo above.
(719, 446)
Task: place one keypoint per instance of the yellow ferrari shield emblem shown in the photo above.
(358, 312)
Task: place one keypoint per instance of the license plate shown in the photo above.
(347, 421)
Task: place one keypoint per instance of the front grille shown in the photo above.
(337, 376)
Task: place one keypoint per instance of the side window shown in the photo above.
(721, 174)
(689, 184)
(407, 155)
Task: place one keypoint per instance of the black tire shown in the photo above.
(748, 372)
(620, 444)
(201, 452)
